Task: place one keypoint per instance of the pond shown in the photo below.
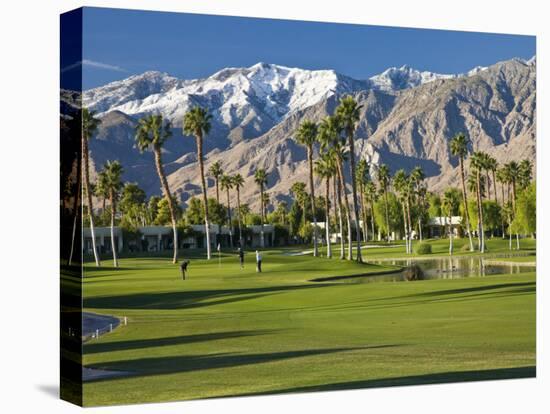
(439, 268)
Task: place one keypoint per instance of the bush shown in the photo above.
(466, 246)
(423, 248)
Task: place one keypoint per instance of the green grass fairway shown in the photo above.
(227, 331)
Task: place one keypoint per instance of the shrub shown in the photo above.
(423, 248)
(466, 246)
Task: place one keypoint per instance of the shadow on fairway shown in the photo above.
(93, 348)
(439, 378)
(178, 364)
(516, 287)
(187, 299)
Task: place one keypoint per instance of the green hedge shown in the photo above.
(423, 248)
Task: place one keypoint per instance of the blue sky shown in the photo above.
(118, 43)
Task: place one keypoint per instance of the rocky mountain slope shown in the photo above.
(407, 118)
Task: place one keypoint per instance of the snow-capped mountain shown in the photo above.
(406, 117)
(263, 94)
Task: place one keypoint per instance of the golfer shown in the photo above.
(258, 262)
(241, 257)
(184, 269)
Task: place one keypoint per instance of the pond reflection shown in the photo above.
(441, 268)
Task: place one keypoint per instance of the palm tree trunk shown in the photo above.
(410, 225)
(204, 196)
(312, 193)
(372, 217)
(76, 205)
(218, 190)
(405, 234)
(465, 201)
(386, 213)
(262, 241)
(480, 214)
(347, 208)
(168, 195)
(229, 219)
(354, 195)
(517, 241)
(89, 198)
(239, 217)
(495, 186)
(364, 212)
(338, 203)
(113, 212)
(327, 217)
(450, 236)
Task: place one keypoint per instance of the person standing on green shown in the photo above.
(241, 257)
(258, 262)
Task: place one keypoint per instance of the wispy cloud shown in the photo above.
(93, 64)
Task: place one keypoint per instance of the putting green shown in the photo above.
(227, 331)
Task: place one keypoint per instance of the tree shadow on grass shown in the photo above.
(178, 364)
(186, 299)
(527, 286)
(438, 378)
(93, 348)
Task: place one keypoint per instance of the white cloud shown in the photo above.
(93, 64)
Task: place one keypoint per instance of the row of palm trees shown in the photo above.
(483, 166)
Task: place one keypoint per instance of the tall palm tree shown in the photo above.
(450, 203)
(331, 140)
(401, 183)
(459, 148)
(525, 172)
(266, 201)
(513, 172)
(226, 183)
(349, 113)
(363, 177)
(306, 135)
(260, 178)
(298, 190)
(152, 132)
(197, 122)
(113, 184)
(100, 190)
(417, 177)
(216, 171)
(478, 165)
(323, 168)
(238, 182)
(492, 167)
(384, 181)
(371, 192)
(89, 127)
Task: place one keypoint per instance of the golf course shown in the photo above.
(227, 331)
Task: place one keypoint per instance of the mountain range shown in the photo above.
(407, 118)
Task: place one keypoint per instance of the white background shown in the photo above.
(29, 293)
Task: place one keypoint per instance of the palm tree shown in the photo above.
(371, 192)
(266, 201)
(298, 190)
(525, 173)
(100, 189)
(331, 140)
(459, 148)
(197, 122)
(384, 181)
(152, 132)
(238, 182)
(492, 167)
(260, 178)
(306, 135)
(450, 203)
(478, 165)
(113, 174)
(89, 127)
(323, 168)
(417, 176)
(513, 172)
(362, 179)
(349, 113)
(216, 171)
(226, 182)
(401, 183)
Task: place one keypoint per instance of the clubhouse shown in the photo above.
(161, 238)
